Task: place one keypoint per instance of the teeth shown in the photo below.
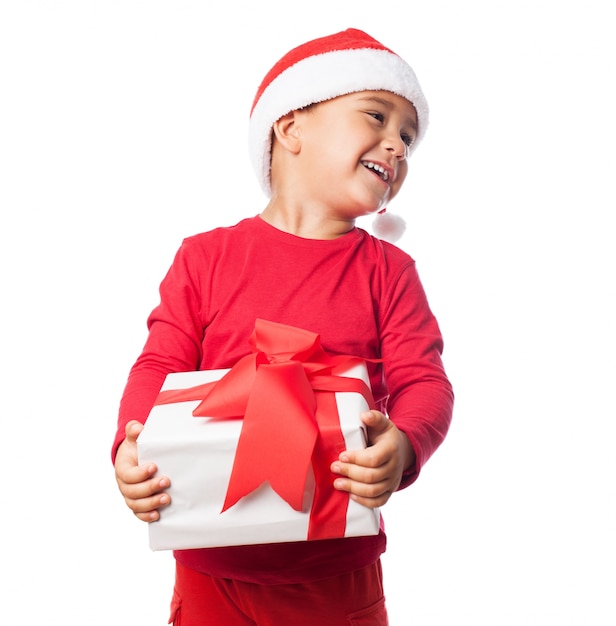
(377, 168)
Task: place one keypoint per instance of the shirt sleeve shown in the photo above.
(175, 333)
(421, 397)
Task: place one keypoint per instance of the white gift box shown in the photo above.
(197, 454)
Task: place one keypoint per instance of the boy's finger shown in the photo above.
(146, 509)
(133, 429)
(136, 474)
(375, 420)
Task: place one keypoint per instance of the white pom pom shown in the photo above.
(388, 227)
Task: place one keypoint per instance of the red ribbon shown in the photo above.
(283, 390)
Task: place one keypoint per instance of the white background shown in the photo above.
(123, 129)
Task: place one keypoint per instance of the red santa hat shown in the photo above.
(321, 69)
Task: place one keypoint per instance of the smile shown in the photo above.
(377, 169)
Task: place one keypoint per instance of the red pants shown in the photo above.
(354, 599)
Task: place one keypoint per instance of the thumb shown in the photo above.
(133, 430)
(375, 421)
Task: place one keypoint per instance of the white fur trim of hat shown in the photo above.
(321, 69)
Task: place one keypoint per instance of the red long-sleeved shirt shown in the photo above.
(360, 294)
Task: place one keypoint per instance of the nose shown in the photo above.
(394, 144)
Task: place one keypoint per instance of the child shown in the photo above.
(331, 128)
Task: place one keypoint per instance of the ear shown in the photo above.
(287, 132)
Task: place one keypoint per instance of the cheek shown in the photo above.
(402, 172)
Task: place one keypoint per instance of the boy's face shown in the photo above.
(355, 149)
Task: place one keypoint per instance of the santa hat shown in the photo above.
(331, 66)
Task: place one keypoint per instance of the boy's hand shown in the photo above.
(371, 475)
(142, 492)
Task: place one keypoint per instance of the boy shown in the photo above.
(331, 129)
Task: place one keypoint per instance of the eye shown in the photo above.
(379, 117)
(407, 139)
